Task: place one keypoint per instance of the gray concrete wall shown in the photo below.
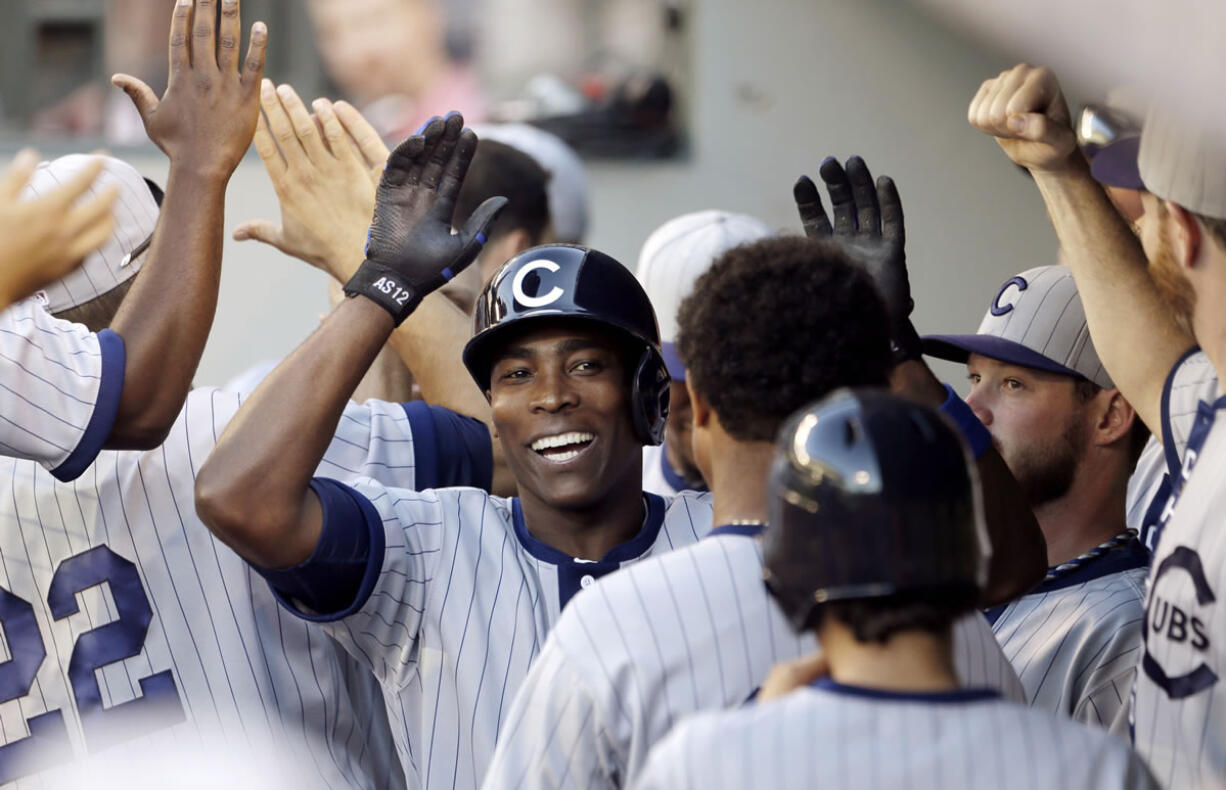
(778, 85)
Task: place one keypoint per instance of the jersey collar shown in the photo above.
(925, 697)
(631, 549)
(747, 530)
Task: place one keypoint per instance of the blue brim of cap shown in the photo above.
(956, 348)
(672, 361)
(1115, 165)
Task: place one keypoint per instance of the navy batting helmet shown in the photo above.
(568, 281)
(869, 496)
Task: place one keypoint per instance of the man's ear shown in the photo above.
(1185, 234)
(701, 408)
(517, 240)
(1115, 418)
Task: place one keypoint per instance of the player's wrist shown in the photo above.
(386, 287)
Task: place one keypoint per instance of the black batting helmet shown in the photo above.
(869, 496)
(573, 282)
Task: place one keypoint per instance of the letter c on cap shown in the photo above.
(517, 285)
(997, 308)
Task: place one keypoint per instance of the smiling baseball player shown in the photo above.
(447, 595)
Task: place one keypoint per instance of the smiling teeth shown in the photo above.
(562, 440)
(563, 457)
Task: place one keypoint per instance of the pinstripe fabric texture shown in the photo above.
(51, 373)
(694, 630)
(235, 667)
(463, 604)
(1076, 647)
(1179, 721)
(817, 738)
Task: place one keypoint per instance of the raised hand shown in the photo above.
(47, 237)
(868, 223)
(1024, 109)
(325, 170)
(410, 250)
(207, 116)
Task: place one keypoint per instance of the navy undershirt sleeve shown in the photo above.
(449, 449)
(106, 407)
(339, 576)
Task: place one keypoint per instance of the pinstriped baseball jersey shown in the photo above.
(1159, 469)
(1179, 721)
(457, 602)
(129, 627)
(831, 735)
(693, 630)
(59, 388)
(1075, 640)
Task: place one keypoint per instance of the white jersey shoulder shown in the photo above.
(464, 599)
(60, 386)
(659, 477)
(132, 631)
(1179, 718)
(1158, 471)
(858, 739)
(1075, 642)
(690, 631)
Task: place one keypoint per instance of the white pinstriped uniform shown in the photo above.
(659, 477)
(1191, 381)
(1075, 640)
(1179, 721)
(827, 735)
(117, 563)
(694, 630)
(459, 599)
(59, 388)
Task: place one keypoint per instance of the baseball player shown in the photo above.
(47, 237)
(672, 258)
(66, 392)
(447, 595)
(1071, 440)
(876, 544)
(694, 630)
(1143, 334)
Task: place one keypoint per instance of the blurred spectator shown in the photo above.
(391, 57)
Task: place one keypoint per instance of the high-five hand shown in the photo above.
(868, 223)
(207, 116)
(411, 250)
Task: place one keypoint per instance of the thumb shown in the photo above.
(259, 230)
(476, 230)
(1039, 128)
(142, 95)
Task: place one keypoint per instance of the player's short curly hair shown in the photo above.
(776, 324)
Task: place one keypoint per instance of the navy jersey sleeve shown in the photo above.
(340, 574)
(450, 449)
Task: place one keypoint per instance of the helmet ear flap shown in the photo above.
(649, 396)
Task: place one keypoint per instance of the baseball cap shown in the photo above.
(1036, 320)
(1184, 163)
(680, 251)
(119, 258)
(567, 186)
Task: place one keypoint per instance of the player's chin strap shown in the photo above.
(1118, 542)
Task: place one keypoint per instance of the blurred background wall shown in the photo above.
(768, 89)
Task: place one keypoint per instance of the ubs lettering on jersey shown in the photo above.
(1176, 637)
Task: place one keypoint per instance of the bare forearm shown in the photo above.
(253, 490)
(1019, 552)
(166, 317)
(1135, 333)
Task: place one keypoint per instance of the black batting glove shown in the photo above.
(868, 223)
(410, 249)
